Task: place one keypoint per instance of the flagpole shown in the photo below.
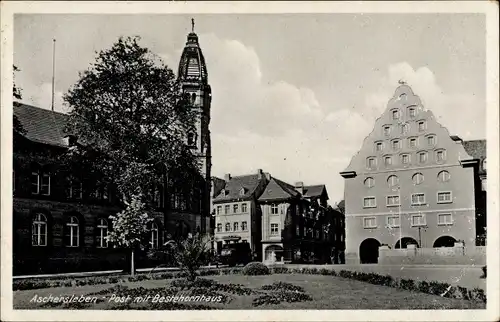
(53, 71)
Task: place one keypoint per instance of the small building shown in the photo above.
(237, 214)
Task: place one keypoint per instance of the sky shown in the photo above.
(293, 94)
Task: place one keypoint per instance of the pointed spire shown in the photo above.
(192, 25)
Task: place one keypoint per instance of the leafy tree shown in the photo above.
(18, 127)
(188, 253)
(341, 206)
(130, 119)
(130, 227)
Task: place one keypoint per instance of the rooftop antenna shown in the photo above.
(192, 24)
(53, 70)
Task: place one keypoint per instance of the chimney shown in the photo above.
(260, 174)
(227, 177)
(299, 186)
(268, 176)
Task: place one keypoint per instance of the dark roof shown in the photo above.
(218, 185)
(278, 190)
(233, 187)
(477, 150)
(314, 191)
(41, 125)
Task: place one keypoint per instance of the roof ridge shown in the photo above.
(21, 104)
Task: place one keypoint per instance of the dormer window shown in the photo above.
(223, 193)
(421, 126)
(242, 191)
(395, 114)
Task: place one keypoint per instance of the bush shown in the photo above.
(280, 270)
(256, 268)
(282, 286)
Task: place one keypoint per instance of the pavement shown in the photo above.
(463, 275)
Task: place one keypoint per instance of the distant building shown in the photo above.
(413, 183)
(298, 225)
(237, 214)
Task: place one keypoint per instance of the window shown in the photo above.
(317, 234)
(392, 201)
(235, 226)
(412, 112)
(305, 232)
(297, 230)
(153, 239)
(440, 156)
(388, 161)
(227, 208)
(371, 163)
(405, 158)
(379, 146)
(39, 230)
(418, 178)
(102, 233)
(228, 227)
(191, 139)
(405, 128)
(444, 176)
(445, 219)
(242, 191)
(421, 126)
(422, 157)
(219, 210)
(392, 181)
(219, 228)
(243, 207)
(395, 114)
(274, 209)
(244, 241)
(412, 143)
(75, 189)
(393, 221)
(418, 220)
(274, 229)
(369, 202)
(369, 222)
(431, 140)
(387, 130)
(418, 199)
(45, 184)
(396, 145)
(484, 164)
(72, 232)
(235, 208)
(35, 182)
(369, 182)
(244, 225)
(444, 197)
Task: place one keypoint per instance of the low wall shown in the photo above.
(457, 255)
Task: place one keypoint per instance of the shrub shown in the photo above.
(280, 270)
(266, 299)
(423, 287)
(256, 268)
(477, 294)
(438, 288)
(282, 286)
(407, 284)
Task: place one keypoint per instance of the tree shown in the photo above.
(341, 206)
(188, 253)
(18, 127)
(130, 227)
(131, 119)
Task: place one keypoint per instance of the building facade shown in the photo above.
(298, 225)
(237, 213)
(411, 183)
(61, 217)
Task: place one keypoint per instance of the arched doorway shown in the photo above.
(405, 241)
(273, 252)
(368, 251)
(444, 241)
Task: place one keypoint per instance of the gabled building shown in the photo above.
(412, 183)
(298, 225)
(237, 214)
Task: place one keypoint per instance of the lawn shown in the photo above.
(307, 292)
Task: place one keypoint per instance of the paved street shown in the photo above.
(465, 276)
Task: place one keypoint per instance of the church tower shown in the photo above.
(193, 77)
